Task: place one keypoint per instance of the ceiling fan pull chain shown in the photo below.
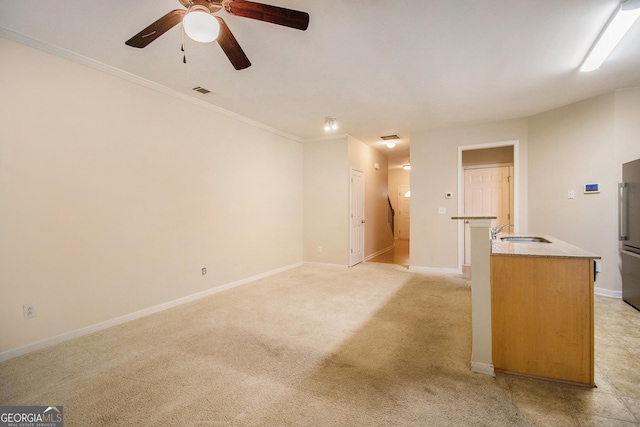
(184, 53)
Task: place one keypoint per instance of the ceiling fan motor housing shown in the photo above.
(213, 6)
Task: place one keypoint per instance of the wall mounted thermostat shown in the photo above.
(591, 188)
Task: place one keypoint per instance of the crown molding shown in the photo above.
(331, 137)
(108, 69)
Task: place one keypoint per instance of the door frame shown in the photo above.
(516, 188)
(352, 258)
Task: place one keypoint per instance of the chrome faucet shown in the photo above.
(496, 230)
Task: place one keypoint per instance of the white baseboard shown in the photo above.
(379, 252)
(482, 368)
(48, 342)
(607, 293)
(433, 270)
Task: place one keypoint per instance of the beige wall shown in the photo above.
(627, 125)
(434, 171)
(569, 147)
(397, 177)
(326, 202)
(114, 196)
(559, 150)
(327, 172)
(578, 144)
(363, 158)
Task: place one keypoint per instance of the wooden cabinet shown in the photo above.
(542, 317)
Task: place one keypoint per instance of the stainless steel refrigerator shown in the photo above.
(629, 230)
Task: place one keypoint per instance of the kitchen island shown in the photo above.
(542, 308)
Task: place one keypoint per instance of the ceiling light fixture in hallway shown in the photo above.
(330, 123)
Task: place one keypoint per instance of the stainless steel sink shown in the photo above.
(524, 239)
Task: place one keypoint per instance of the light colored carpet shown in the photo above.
(374, 345)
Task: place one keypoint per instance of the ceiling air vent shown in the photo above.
(201, 90)
(389, 137)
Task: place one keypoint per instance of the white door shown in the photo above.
(357, 218)
(404, 212)
(486, 192)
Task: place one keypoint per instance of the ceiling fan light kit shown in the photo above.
(618, 25)
(200, 25)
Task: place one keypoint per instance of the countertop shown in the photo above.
(556, 249)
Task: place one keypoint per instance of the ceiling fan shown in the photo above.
(201, 25)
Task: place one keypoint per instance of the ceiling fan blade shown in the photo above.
(231, 48)
(155, 30)
(267, 13)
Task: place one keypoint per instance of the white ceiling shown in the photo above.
(380, 67)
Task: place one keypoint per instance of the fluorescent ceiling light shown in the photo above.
(621, 21)
(200, 25)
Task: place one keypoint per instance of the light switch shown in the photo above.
(571, 194)
(442, 211)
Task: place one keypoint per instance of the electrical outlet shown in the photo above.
(204, 270)
(29, 311)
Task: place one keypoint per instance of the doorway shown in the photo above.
(488, 156)
(357, 224)
(399, 253)
(487, 191)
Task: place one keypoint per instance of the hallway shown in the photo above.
(398, 255)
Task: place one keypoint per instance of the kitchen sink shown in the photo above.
(524, 239)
